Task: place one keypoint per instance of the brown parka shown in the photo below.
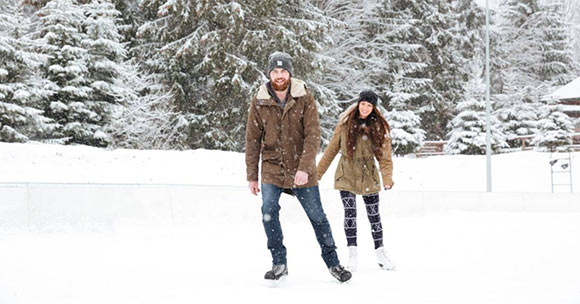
(287, 140)
(358, 174)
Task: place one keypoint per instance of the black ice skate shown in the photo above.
(277, 272)
(340, 273)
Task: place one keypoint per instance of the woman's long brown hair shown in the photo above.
(376, 129)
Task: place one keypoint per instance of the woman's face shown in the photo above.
(365, 108)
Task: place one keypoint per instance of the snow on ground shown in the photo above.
(213, 249)
(514, 172)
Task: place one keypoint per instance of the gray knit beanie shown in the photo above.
(280, 60)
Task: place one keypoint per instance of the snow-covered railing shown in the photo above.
(432, 148)
(524, 139)
(436, 147)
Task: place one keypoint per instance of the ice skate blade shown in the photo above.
(394, 268)
(276, 283)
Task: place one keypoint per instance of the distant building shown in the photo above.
(569, 97)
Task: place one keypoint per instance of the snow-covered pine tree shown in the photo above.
(343, 74)
(538, 57)
(376, 46)
(517, 103)
(469, 126)
(85, 56)
(66, 73)
(469, 24)
(214, 55)
(406, 134)
(145, 118)
(571, 11)
(519, 116)
(20, 116)
(142, 116)
(396, 68)
(132, 19)
(422, 56)
(556, 67)
(105, 63)
(446, 67)
(554, 126)
(399, 57)
(349, 49)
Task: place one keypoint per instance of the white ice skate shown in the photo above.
(383, 260)
(352, 258)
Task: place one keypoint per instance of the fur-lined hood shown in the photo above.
(297, 89)
(343, 117)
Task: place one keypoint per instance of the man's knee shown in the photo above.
(317, 216)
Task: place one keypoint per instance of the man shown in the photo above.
(283, 129)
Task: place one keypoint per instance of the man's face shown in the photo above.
(280, 79)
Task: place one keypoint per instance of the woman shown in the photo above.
(361, 136)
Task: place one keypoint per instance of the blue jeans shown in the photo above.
(310, 200)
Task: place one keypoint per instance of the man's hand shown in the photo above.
(388, 187)
(301, 178)
(254, 187)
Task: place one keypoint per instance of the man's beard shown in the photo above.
(280, 87)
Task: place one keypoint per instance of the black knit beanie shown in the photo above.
(368, 96)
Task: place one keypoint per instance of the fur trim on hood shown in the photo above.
(343, 117)
(297, 89)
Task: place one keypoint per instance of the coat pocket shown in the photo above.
(339, 172)
(270, 156)
(375, 175)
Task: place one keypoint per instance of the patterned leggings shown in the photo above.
(372, 206)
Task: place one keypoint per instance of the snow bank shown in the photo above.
(47, 185)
